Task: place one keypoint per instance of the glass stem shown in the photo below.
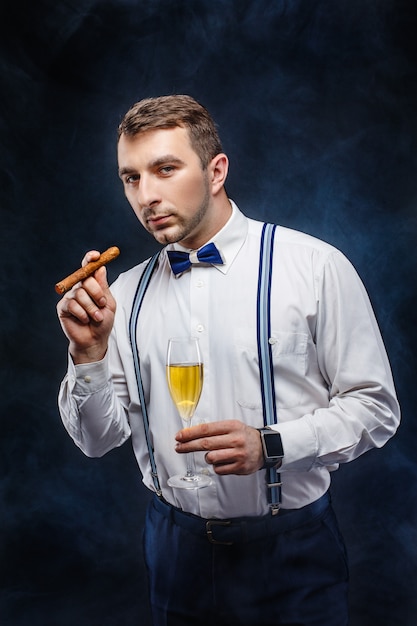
(190, 470)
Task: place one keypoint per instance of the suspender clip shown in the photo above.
(272, 485)
(274, 508)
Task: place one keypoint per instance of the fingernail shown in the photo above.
(102, 301)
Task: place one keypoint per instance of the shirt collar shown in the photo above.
(229, 239)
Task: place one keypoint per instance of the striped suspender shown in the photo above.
(264, 354)
(137, 302)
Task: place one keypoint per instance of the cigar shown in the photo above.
(86, 271)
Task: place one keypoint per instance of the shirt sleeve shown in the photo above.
(90, 410)
(362, 410)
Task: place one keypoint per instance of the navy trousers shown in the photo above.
(294, 575)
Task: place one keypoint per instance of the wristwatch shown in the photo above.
(272, 447)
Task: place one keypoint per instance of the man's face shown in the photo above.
(166, 186)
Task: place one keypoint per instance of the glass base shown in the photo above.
(195, 481)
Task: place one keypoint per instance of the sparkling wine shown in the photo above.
(185, 382)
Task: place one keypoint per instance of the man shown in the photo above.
(237, 551)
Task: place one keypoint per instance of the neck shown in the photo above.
(222, 210)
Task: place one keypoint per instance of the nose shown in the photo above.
(147, 192)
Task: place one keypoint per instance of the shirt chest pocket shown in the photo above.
(289, 357)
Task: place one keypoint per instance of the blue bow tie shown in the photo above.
(181, 261)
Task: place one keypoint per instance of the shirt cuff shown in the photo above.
(300, 445)
(87, 378)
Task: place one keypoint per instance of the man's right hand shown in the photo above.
(86, 314)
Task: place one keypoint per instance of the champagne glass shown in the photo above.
(184, 370)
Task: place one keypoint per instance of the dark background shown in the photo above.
(316, 103)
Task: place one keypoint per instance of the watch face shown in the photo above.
(273, 444)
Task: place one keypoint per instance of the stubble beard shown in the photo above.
(186, 226)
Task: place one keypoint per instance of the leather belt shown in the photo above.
(242, 529)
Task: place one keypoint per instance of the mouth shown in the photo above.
(158, 221)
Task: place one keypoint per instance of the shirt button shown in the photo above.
(272, 340)
(87, 379)
(199, 283)
(200, 328)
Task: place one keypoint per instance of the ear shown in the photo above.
(217, 170)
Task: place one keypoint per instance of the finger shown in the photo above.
(208, 430)
(72, 309)
(223, 465)
(227, 462)
(224, 469)
(101, 277)
(220, 442)
(83, 299)
(97, 287)
(91, 255)
(225, 456)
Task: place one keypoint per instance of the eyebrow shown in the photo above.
(163, 160)
(167, 158)
(125, 170)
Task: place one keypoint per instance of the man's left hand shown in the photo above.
(231, 447)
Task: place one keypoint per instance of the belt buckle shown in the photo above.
(209, 531)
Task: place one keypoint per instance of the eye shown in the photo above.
(166, 170)
(131, 179)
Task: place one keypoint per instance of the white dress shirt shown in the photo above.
(334, 390)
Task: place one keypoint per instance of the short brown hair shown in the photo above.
(172, 111)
